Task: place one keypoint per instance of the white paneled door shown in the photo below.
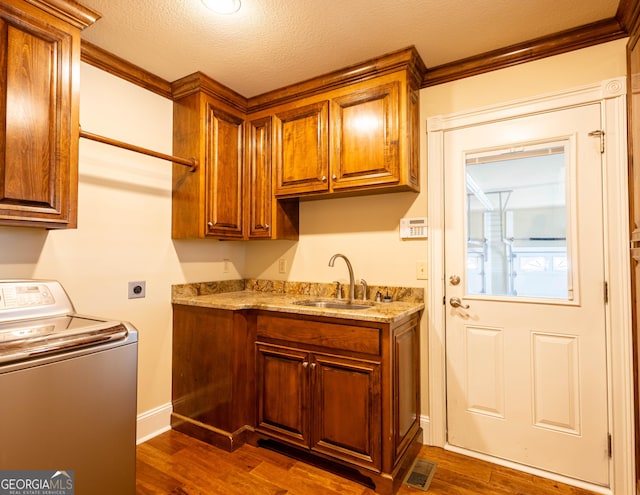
(525, 292)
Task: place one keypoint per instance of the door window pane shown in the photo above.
(517, 222)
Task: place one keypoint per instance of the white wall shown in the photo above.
(577, 68)
(365, 229)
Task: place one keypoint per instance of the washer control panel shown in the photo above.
(20, 296)
(20, 299)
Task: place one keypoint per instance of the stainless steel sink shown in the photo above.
(333, 304)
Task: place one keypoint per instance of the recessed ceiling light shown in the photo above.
(223, 6)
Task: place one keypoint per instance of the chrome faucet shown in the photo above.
(352, 285)
(365, 288)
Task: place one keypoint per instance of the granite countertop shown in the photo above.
(256, 296)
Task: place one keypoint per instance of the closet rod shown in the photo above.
(192, 163)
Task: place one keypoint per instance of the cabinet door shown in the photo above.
(283, 393)
(259, 178)
(224, 174)
(406, 384)
(365, 138)
(302, 153)
(346, 409)
(413, 139)
(202, 388)
(38, 112)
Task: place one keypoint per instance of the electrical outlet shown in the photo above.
(421, 270)
(282, 265)
(136, 289)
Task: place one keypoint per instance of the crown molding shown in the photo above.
(555, 44)
(119, 67)
(69, 11)
(628, 15)
(404, 59)
(201, 83)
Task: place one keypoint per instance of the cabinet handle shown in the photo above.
(334, 177)
(313, 366)
(210, 225)
(266, 227)
(305, 364)
(324, 178)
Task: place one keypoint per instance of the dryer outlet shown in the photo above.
(136, 289)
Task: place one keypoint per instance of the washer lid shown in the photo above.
(20, 340)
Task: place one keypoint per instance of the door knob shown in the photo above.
(456, 302)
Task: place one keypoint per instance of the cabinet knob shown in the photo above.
(324, 178)
(313, 366)
(305, 364)
(267, 227)
(210, 225)
(334, 177)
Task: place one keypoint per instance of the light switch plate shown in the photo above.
(282, 265)
(421, 270)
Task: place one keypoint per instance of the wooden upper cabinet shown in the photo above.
(224, 136)
(259, 183)
(208, 124)
(354, 131)
(365, 137)
(39, 108)
(360, 137)
(267, 218)
(230, 195)
(302, 152)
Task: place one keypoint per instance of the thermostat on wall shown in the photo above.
(414, 228)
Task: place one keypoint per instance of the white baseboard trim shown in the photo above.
(425, 423)
(153, 422)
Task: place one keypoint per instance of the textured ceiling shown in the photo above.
(273, 43)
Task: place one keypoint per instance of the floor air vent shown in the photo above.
(421, 474)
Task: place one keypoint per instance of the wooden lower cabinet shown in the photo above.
(327, 403)
(213, 388)
(283, 393)
(342, 392)
(346, 409)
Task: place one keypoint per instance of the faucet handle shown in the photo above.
(365, 288)
(338, 289)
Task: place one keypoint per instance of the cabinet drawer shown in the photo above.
(345, 337)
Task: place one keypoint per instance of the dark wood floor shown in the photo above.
(175, 464)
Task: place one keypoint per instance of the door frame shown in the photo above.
(611, 93)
